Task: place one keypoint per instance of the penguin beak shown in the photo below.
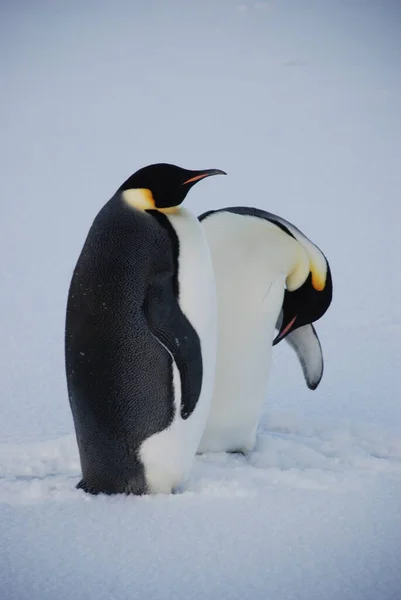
(285, 330)
(202, 174)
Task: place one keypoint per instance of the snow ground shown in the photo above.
(299, 101)
(312, 513)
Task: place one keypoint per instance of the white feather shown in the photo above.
(252, 260)
(168, 455)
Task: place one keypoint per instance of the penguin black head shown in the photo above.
(307, 303)
(161, 186)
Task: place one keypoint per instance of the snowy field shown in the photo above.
(299, 101)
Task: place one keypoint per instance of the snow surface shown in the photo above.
(300, 103)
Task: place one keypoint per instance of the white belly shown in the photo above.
(250, 279)
(242, 372)
(168, 455)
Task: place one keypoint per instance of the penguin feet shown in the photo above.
(82, 485)
(127, 488)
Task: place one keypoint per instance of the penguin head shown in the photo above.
(161, 186)
(308, 302)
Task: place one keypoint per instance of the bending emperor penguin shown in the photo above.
(268, 275)
(140, 336)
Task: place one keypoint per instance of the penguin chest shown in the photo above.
(167, 456)
(250, 295)
(243, 367)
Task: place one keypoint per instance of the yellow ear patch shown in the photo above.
(171, 210)
(318, 278)
(141, 198)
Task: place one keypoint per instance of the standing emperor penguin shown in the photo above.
(140, 337)
(268, 275)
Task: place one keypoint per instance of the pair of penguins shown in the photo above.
(170, 325)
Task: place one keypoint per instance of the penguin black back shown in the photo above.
(101, 380)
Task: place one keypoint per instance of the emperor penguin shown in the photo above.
(140, 336)
(268, 275)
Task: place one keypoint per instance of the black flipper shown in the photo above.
(306, 344)
(172, 329)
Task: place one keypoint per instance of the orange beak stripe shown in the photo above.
(196, 178)
(287, 327)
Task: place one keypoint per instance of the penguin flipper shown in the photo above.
(306, 344)
(171, 328)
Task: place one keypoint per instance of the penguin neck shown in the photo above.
(317, 260)
(281, 255)
(142, 199)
